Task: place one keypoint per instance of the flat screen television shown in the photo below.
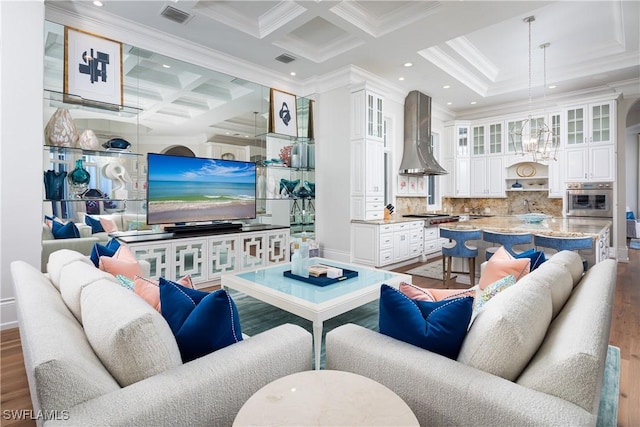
(194, 190)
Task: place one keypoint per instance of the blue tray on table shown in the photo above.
(322, 280)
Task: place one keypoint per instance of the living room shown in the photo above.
(332, 223)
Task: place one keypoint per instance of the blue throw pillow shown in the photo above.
(99, 250)
(438, 326)
(96, 227)
(536, 257)
(202, 322)
(64, 231)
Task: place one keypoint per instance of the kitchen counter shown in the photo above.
(557, 227)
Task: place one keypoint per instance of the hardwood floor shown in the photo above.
(625, 333)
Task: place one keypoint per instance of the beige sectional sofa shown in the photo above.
(534, 356)
(96, 354)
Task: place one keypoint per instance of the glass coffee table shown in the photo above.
(311, 302)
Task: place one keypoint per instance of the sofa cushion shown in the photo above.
(558, 279)
(108, 225)
(73, 278)
(502, 264)
(439, 326)
(202, 322)
(122, 262)
(149, 289)
(570, 361)
(507, 332)
(59, 259)
(63, 369)
(572, 261)
(132, 339)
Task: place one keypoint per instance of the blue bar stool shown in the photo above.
(563, 244)
(458, 248)
(508, 240)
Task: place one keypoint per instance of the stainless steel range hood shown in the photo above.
(418, 158)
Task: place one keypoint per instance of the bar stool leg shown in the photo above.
(472, 271)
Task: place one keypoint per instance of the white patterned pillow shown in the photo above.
(483, 296)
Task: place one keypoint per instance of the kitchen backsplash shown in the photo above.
(515, 203)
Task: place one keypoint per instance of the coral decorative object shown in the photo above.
(61, 130)
(88, 140)
(79, 179)
(285, 155)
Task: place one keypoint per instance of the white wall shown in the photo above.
(21, 86)
(333, 163)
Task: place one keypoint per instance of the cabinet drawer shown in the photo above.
(416, 225)
(386, 241)
(402, 226)
(431, 247)
(374, 199)
(373, 215)
(386, 257)
(415, 250)
(415, 236)
(431, 233)
(386, 228)
(375, 206)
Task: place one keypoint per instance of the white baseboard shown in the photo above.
(335, 255)
(8, 314)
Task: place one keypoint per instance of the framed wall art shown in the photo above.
(283, 118)
(92, 69)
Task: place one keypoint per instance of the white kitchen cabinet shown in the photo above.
(592, 123)
(463, 177)
(557, 178)
(487, 139)
(384, 244)
(592, 163)
(367, 114)
(367, 155)
(487, 176)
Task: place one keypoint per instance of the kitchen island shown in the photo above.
(596, 228)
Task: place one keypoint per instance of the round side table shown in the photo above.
(325, 398)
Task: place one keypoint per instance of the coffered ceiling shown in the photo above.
(468, 55)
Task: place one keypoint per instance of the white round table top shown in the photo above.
(325, 398)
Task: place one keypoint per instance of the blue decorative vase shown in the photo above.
(79, 179)
(54, 184)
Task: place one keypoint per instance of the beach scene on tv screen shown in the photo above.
(188, 189)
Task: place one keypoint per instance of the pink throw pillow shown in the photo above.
(149, 290)
(122, 262)
(415, 292)
(431, 294)
(502, 264)
(108, 225)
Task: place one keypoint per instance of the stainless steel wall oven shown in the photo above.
(589, 199)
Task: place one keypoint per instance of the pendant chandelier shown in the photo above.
(533, 136)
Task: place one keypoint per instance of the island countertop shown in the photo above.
(557, 227)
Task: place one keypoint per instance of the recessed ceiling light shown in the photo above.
(97, 3)
(553, 87)
(473, 103)
(446, 86)
(401, 78)
(408, 64)
(293, 73)
(449, 103)
(166, 66)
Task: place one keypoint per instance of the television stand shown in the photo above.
(203, 228)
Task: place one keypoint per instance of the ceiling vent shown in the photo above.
(285, 58)
(175, 15)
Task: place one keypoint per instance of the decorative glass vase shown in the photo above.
(61, 130)
(54, 184)
(79, 179)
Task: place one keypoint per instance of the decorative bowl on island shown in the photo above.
(533, 218)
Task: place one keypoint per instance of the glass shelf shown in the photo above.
(79, 151)
(73, 102)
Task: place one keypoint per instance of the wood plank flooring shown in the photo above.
(625, 333)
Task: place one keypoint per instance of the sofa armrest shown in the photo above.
(81, 244)
(208, 391)
(441, 391)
